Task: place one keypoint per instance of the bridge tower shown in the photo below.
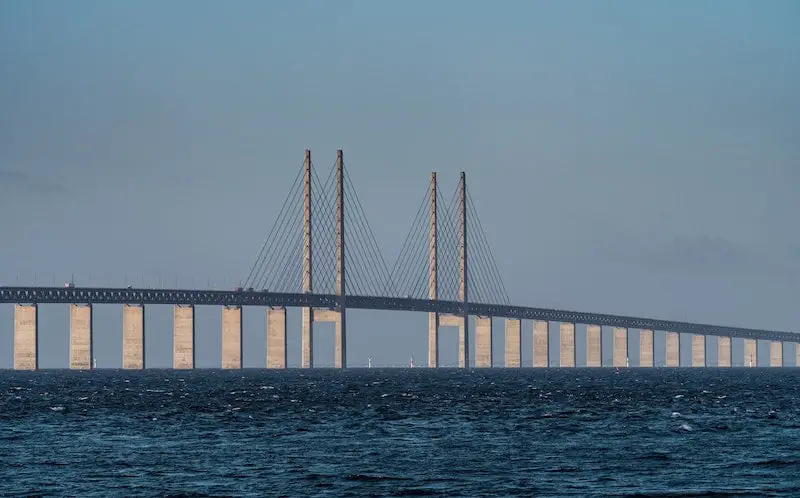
(307, 318)
(433, 274)
(461, 320)
(311, 315)
(340, 348)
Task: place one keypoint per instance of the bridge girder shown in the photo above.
(66, 295)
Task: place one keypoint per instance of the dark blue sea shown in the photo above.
(558, 432)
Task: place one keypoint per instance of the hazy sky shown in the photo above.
(626, 157)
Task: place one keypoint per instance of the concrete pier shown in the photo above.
(26, 337)
(750, 356)
(698, 350)
(307, 337)
(133, 337)
(433, 340)
(80, 337)
(231, 337)
(483, 342)
(339, 341)
(183, 337)
(567, 346)
(646, 348)
(673, 357)
(456, 321)
(775, 354)
(513, 354)
(541, 344)
(797, 354)
(276, 337)
(723, 351)
(594, 354)
(620, 347)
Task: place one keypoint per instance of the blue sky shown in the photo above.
(626, 157)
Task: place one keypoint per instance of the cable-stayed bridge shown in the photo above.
(321, 255)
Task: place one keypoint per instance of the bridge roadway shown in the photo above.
(96, 295)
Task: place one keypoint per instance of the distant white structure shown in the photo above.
(369, 362)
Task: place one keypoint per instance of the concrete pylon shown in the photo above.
(567, 345)
(26, 337)
(513, 353)
(775, 354)
(433, 275)
(340, 347)
(620, 347)
(463, 294)
(306, 312)
(723, 351)
(698, 350)
(673, 349)
(80, 336)
(594, 348)
(232, 352)
(183, 337)
(750, 353)
(646, 348)
(483, 342)
(276, 337)
(133, 334)
(541, 344)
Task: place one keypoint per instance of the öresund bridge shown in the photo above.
(322, 257)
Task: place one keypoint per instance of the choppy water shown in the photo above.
(580, 432)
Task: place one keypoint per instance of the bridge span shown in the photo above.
(322, 257)
(133, 300)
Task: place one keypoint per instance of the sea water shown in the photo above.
(401, 432)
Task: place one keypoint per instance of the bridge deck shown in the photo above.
(65, 295)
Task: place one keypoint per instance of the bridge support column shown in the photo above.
(796, 354)
(340, 341)
(513, 353)
(750, 356)
(673, 356)
(646, 348)
(80, 337)
(133, 357)
(183, 337)
(433, 340)
(231, 337)
(698, 350)
(276, 337)
(307, 337)
(457, 321)
(26, 337)
(620, 345)
(775, 354)
(541, 344)
(483, 342)
(567, 346)
(594, 348)
(723, 351)
(333, 316)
